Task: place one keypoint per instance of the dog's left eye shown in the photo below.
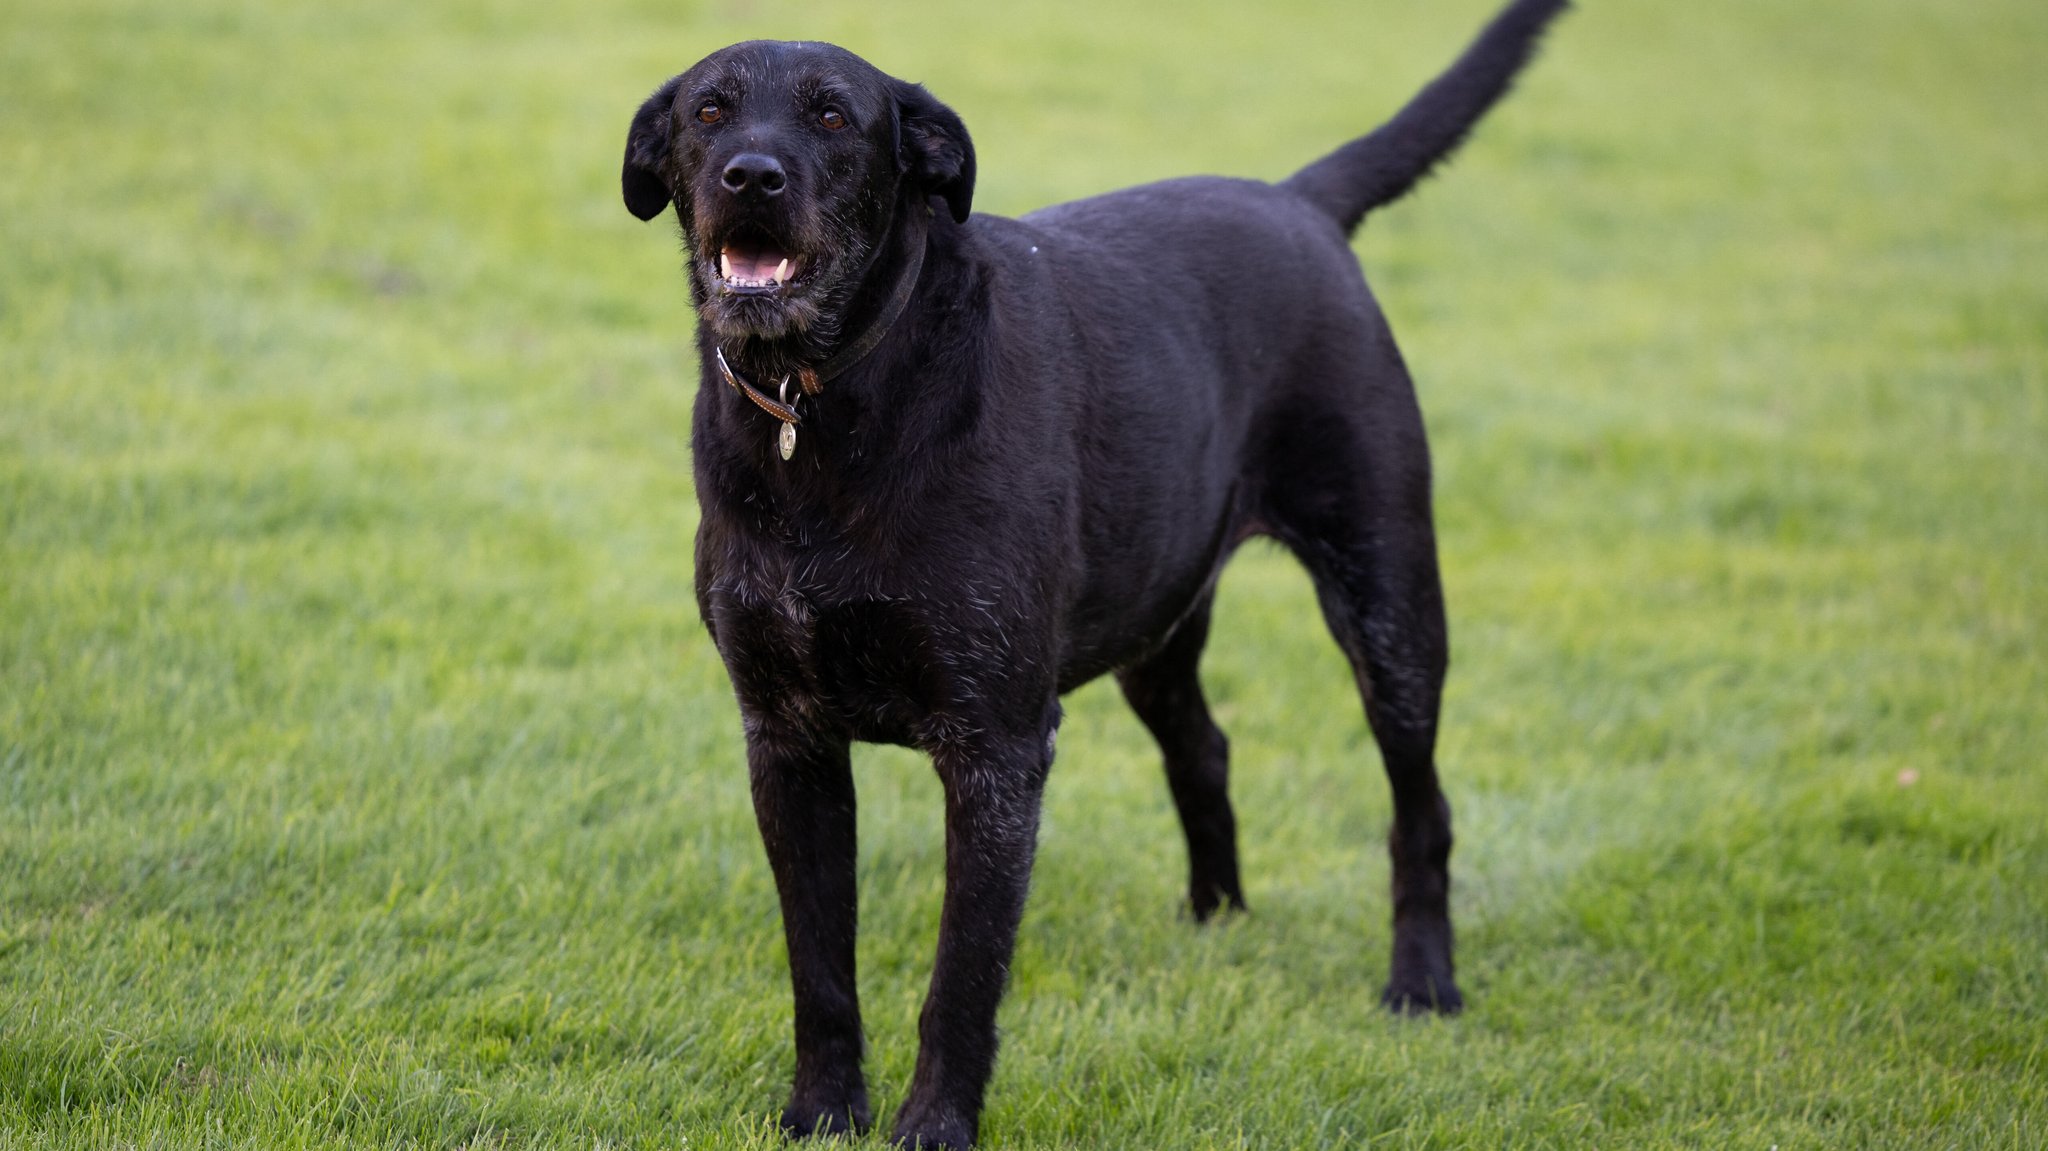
(831, 118)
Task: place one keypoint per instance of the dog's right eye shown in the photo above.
(710, 113)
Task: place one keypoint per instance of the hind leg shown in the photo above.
(1166, 693)
(1394, 635)
(1350, 497)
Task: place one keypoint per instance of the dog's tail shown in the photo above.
(1379, 168)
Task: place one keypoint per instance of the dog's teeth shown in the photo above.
(781, 271)
(725, 265)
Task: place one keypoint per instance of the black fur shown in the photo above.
(1033, 480)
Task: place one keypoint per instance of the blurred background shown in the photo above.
(367, 779)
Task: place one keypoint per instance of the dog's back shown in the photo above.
(1205, 339)
(1169, 326)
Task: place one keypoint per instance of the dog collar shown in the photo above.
(811, 381)
(782, 410)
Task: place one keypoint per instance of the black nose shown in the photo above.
(752, 170)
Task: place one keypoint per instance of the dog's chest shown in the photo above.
(809, 647)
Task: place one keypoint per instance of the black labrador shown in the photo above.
(953, 466)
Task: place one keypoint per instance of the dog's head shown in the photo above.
(788, 164)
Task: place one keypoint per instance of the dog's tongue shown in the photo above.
(741, 262)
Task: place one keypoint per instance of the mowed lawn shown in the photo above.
(366, 778)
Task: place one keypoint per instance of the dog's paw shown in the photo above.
(1422, 996)
(1208, 903)
(811, 1117)
(922, 1126)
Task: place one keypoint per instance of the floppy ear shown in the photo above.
(646, 189)
(933, 149)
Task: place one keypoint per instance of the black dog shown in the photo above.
(1015, 455)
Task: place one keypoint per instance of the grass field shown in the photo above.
(366, 778)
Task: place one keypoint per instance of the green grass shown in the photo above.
(366, 778)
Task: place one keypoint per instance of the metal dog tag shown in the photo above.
(788, 440)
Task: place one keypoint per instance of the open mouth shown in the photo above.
(752, 265)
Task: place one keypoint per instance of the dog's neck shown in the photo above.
(855, 422)
(882, 291)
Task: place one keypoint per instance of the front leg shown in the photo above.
(804, 803)
(993, 788)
